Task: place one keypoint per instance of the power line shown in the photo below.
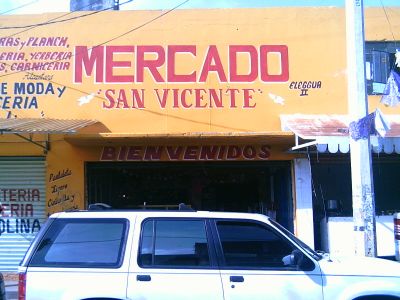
(152, 111)
(144, 24)
(391, 30)
(56, 18)
(388, 20)
(105, 42)
(52, 21)
(30, 27)
(119, 36)
(18, 7)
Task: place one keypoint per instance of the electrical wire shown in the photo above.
(102, 98)
(144, 24)
(313, 190)
(393, 66)
(56, 18)
(18, 7)
(388, 20)
(115, 38)
(52, 21)
(30, 27)
(107, 41)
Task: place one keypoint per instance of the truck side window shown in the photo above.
(82, 243)
(174, 243)
(252, 245)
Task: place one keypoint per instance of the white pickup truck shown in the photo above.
(180, 255)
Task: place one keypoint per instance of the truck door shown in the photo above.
(258, 262)
(174, 261)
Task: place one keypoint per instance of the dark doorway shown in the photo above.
(240, 186)
(332, 191)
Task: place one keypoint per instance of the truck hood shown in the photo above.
(362, 266)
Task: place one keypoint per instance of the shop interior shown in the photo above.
(261, 187)
(332, 192)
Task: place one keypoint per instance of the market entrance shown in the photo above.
(262, 187)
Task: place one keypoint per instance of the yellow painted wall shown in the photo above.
(12, 145)
(315, 53)
(65, 176)
(314, 37)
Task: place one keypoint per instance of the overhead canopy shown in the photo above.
(107, 138)
(22, 126)
(42, 125)
(331, 133)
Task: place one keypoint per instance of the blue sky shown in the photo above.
(42, 6)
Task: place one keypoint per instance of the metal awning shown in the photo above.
(42, 125)
(331, 133)
(108, 138)
(22, 126)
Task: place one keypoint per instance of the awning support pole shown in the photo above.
(46, 145)
(312, 143)
(298, 146)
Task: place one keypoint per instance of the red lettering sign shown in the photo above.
(186, 153)
(102, 63)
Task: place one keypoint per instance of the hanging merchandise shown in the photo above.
(373, 124)
(397, 56)
(391, 93)
(382, 124)
(362, 128)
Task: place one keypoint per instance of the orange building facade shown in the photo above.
(153, 108)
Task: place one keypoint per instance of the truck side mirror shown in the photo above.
(299, 260)
(296, 258)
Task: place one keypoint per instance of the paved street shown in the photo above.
(11, 289)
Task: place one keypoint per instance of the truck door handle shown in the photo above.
(236, 279)
(143, 277)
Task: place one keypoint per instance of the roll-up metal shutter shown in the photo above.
(22, 200)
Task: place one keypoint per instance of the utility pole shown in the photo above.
(360, 150)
